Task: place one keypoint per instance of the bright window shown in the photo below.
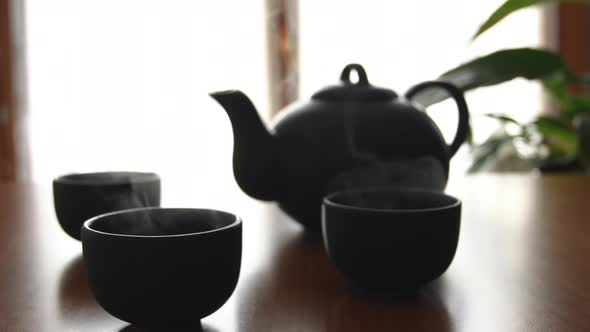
(123, 84)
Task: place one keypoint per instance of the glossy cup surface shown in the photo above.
(391, 240)
(162, 268)
(79, 197)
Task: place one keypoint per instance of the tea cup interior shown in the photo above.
(161, 222)
(99, 178)
(391, 200)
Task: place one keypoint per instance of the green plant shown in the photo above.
(559, 135)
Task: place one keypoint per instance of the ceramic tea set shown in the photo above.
(350, 135)
(358, 162)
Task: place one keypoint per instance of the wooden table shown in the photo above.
(523, 264)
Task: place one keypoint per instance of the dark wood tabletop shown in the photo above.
(522, 264)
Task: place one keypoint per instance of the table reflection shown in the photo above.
(313, 296)
(74, 293)
(131, 328)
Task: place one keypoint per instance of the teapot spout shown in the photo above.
(256, 154)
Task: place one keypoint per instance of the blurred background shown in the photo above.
(94, 85)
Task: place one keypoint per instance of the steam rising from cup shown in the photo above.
(79, 197)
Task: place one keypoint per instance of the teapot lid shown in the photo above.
(354, 91)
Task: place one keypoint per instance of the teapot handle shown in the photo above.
(457, 95)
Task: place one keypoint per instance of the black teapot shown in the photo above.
(349, 136)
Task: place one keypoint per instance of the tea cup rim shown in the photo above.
(87, 224)
(328, 200)
(134, 177)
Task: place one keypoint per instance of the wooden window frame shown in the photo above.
(7, 96)
(282, 26)
(12, 91)
(574, 37)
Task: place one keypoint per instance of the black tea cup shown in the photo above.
(79, 197)
(391, 240)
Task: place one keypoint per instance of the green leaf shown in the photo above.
(495, 68)
(559, 135)
(469, 138)
(579, 78)
(503, 118)
(584, 79)
(581, 103)
(557, 87)
(510, 7)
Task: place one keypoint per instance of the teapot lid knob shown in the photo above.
(359, 91)
(360, 71)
